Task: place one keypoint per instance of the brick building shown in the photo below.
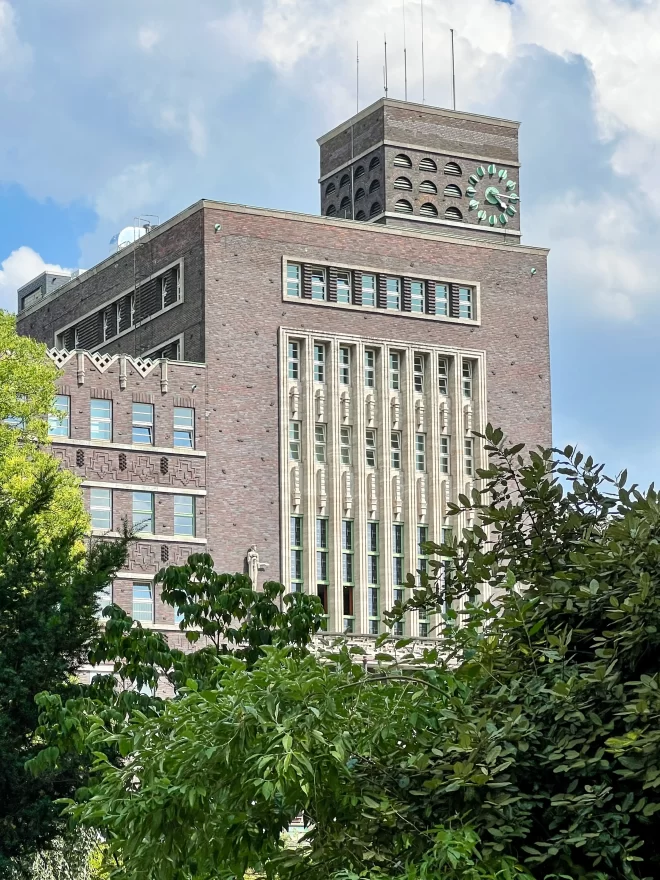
(332, 369)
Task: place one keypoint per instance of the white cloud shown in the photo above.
(148, 38)
(15, 55)
(17, 269)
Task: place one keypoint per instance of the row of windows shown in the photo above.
(426, 186)
(142, 420)
(143, 512)
(143, 603)
(401, 206)
(380, 291)
(400, 161)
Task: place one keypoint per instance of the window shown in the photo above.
(178, 614)
(429, 210)
(294, 360)
(395, 371)
(469, 456)
(319, 443)
(403, 207)
(184, 515)
(402, 161)
(422, 568)
(359, 194)
(347, 551)
(17, 421)
(293, 279)
(397, 571)
(59, 422)
(184, 426)
(344, 366)
(143, 602)
(111, 321)
(465, 302)
(374, 186)
(443, 375)
(359, 172)
(375, 209)
(453, 214)
(345, 445)
(100, 420)
(296, 554)
(319, 363)
(417, 296)
(453, 191)
(395, 447)
(322, 571)
(330, 188)
(345, 180)
(100, 508)
(344, 287)
(103, 599)
(345, 206)
(393, 293)
(453, 168)
(420, 452)
(373, 591)
(360, 215)
(331, 211)
(418, 373)
(444, 455)
(143, 512)
(402, 183)
(318, 283)
(294, 441)
(170, 288)
(427, 186)
(427, 165)
(143, 423)
(375, 162)
(370, 368)
(370, 442)
(368, 290)
(442, 299)
(467, 378)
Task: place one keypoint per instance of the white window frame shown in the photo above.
(101, 422)
(345, 444)
(466, 303)
(151, 518)
(371, 456)
(293, 359)
(443, 375)
(297, 567)
(393, 293)
(319, 443)
(417, 297)
(319, 362)
(143, 423)
(420, 452)
(395, 371)
(293, 279)
(442, 299)
(97, 497)
(144, 614)
(60, 426)
(373, 577)
(344, 287)
(444, 458)
(319, 283)
(467, 374)
(395, 450)
(344, 365)
(185, 516)
(370, 291)
(182, 428)
(369, 368)
(468, 458)
(418, 373)
(294, 439)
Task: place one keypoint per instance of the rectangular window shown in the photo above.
(293, 279)
(467, 378)
(422, 568)
(59, 423)
(143, 602)
(397, 571)
(184, 426)
(143, 512)
(322, 571)
(318, 283)
(103, 599)
(368, 290)
(373, 590)
(444, 455)
(393, 293)
(395, 446)
(395, 371)
(418, 373)
(319, 363)
(465, 304)
(143, 423)
(347, 573)
(319, 443)
(370, 442)
(369, 368)
(100, 419)
(443, 376)
(344, 287)
(184, 515)
(417, 296)
(296, 554)
(344, 366)
(420, 452)
(345, 445)
(100, 508)
(294, 360)
(110, 321)
(469, 456)
(294, 441)
(442, 299)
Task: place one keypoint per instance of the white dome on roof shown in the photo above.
(127, 236)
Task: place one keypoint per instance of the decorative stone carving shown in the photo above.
(419, 415)
(395, 407)
(321, 491)
(444, 414)
(372, 494)
(164, 384)
(295, 486)
(142, 557)
(345, 406)
(371, 409)
(254, 566)
(294, 395)
(320, 404)
(396, 495)
(347, 480)
(468, 417)
(421, 497)
(186, 473)
(81, 368)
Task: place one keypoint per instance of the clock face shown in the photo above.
(492, 195)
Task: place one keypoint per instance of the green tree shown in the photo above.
(526, 744)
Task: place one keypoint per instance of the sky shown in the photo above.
(109, 111)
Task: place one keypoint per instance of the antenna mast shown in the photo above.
(453, 71)
(405, 59)
(357, 77)
(423, 83)
(385, 68)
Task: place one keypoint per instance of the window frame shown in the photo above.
(395, 370)
(107, 524)
(137, 613)
(56, 423)
(152, 513)
(373, 577)
(345, 286)
(294, 280)
(418, 297)
(297, 572)
(420, 453)
(344, 365)
(467, 377)
(393, 293)
(418, 373)
(444, 454)
(465, 303)
(371, 447)
(142, 424)
(319, 283)
(293, 359)
(443, 377)
(468, 456)
(395, 450)
(319, 362)
(370, 368)
(186, 517)
(320, 443)
(371, 291)
(345, 445)
(101, 423)
(179, 430)
(295, 439)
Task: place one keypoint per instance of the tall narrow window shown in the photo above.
(467, 378)
(417, 296)
(345, 444)
(418, 373)
(368, 290)
(318, 283)
(143, 512)
(322, 570)
(294, 360)
(397, 572)
(443, 376)
(319, 363)
(469, 456)
(420, 452)
(422, 569)
(184, 426)
(370, 452)
(369, 368)
(347, 574)
(100, 508)
(344, 287)
(373, 589)
(442, 299)
(143, 601)
(296, 524)
(395, 445)
(110, 321)
(103, 599)
(100, 419)
(444, 455)
(294, 441)
(184, 515)
(143, 423)
(465, 304)
(319, 443)
(394, 293)
(293, 279)
(395, 371)
(59, 422)
(344, 366)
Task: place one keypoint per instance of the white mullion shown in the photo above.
(308, 467)
(334, 487)
(358, 392)
(409, 476)
(385, 474)
(286, 508)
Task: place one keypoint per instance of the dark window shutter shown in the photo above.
(453, 300)
(357, 288)
(90, 331)
(306, 281)
(69, 339)
(147, 299)
(124, 312)
(430, 297)
(332, 284)
(406, 300)
(170, 280)
(381, 298)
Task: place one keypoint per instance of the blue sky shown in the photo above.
(110, 111)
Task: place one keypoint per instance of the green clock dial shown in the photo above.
(492, 195)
